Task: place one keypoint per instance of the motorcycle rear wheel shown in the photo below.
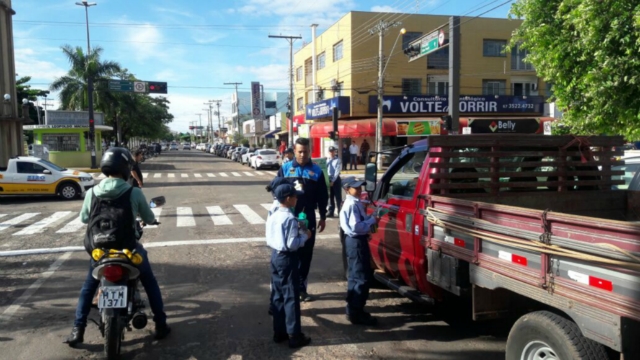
(112, 338)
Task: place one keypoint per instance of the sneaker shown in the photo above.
(304, 297)
(76, 336)
(362, 319)
(280, 337)
(162, 330)
(298, 341)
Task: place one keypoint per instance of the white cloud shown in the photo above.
(184, 107)
(273, 76)
(29, 63)
(174, 12)
(385, 8)
(145, 39)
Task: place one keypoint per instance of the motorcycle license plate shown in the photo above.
(113, 297)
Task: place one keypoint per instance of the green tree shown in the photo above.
(590, 51)
(24, 91)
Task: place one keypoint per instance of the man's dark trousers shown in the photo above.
(359, 276)
(335, 196)
(354, 162)
(147, 279)
(285, 299)
(305, 253)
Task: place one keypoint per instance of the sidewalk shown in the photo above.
(87, 170)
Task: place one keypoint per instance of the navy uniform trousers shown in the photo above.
(285, 292)
(359, 276)
(305, 253)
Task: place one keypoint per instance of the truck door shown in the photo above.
(393, 246)
(30, 178)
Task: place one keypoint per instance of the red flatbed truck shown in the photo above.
(516, 225)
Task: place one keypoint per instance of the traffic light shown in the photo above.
(156, 87)
(412, 50)
(448, 122)
(334, 135)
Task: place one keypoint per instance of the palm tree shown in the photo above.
(73, 85)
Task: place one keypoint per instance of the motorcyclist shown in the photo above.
(116, 165)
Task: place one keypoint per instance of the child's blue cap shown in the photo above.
(283, 191)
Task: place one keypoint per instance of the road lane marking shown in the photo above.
(235, 174)
(172, 175)
(259, 173)
(266, 206)
(65, 249)
(145, 175)
(247, 173)
(272, 173)
(11, 310)
(197, 175)
(16, 220)
(224, 175)
(185, 217)
(184, 175)
(210, 175)
(102, 176)
(218, 216)
(251, 216)
(41, 225)
(156, 213)
(73, 226)
(157, 175)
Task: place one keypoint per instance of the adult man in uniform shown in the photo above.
(335, 185)
(309, 178)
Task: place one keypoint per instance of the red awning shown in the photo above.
(354, 128)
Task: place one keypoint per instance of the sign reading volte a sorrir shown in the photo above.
(469, 104)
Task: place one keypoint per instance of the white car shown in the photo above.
(246, 157)
(266, 158)
(173, 146)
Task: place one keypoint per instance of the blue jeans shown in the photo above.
(147, 279)
(354, 162)
(359, 276)
(335, 196)
(285, 296)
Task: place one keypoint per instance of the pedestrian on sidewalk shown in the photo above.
(335, 184)
(357, 225)
(285, 236)
(345, 156)
(364, 151)
(308, 177)
(136, 179)
(353, 152)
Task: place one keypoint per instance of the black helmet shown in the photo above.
(117, 161)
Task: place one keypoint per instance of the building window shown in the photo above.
(300, 104)
(494, 48)
(411, 86)
(337, 51)
(299, 73)
(308, 71)
(548, 91)
(321, 61)
(438, 59)
(62, 142)
(524, 88)
(408, 37)
(438, 87)
(518, 56)
(309, 96)
(337, 90)
(493, 87)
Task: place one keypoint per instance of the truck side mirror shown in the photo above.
(371, 177)
(46, 172)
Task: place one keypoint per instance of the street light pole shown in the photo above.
(92, 128)
(290, 39)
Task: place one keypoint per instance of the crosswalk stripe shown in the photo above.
(259, 173)
(272, 173)
(218, 216)
(157, 175)
(172, 175)
(156, 213)
(224, 175)
(184, 175)
(41, 225)
(251, 216)
(210, 175)
(2, 215)
(266, 206)
(235, 174)
(71, 227)
(102, 176)
(197, 175)
(16, 220)
(145, 175)
(185, 217)
(248, 173)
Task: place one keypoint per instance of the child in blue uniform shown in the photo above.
(356, 225)
(285, 237)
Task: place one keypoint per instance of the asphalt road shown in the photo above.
(212, 264)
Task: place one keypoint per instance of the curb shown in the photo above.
(89, 171)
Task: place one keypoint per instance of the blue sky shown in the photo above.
(194, 45)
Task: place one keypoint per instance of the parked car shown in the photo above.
(266, 158)
(186, 147)
(173, 146)
(230, 151)
(238, 155)
(246, 157)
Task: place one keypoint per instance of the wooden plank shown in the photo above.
(487, 175)
(525, 184)
(534, 140)
(517, 153)
(515, 165)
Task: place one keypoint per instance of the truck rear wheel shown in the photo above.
(544, 335)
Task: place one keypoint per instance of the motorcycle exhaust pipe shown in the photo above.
(139, 320)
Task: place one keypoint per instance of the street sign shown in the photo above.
(121, 85)
(426, 45)
(139, 86)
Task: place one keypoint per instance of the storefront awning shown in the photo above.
(354, 128)
(271, 134)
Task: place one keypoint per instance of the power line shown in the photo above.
(155, 42)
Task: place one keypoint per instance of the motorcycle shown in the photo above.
(119, 302)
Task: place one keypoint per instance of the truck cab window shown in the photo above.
(404, 178)
(29, 168)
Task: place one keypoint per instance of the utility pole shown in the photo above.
(454, 74)
(200, 126)
(236, 122)
(92, 128)
(380, 29)
(291, 40)
(217, 102)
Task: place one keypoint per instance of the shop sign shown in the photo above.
(477, 104)
(502, 126)
(324, 108)
(256, 106)
(417, 128)
(60, 117)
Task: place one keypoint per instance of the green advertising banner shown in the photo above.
(418, 128)
(322, 162)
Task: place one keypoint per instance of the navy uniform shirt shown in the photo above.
(334, 165)
(283, 232)
(310, 179)
(354, 220)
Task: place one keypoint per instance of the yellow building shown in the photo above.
(494, 82)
